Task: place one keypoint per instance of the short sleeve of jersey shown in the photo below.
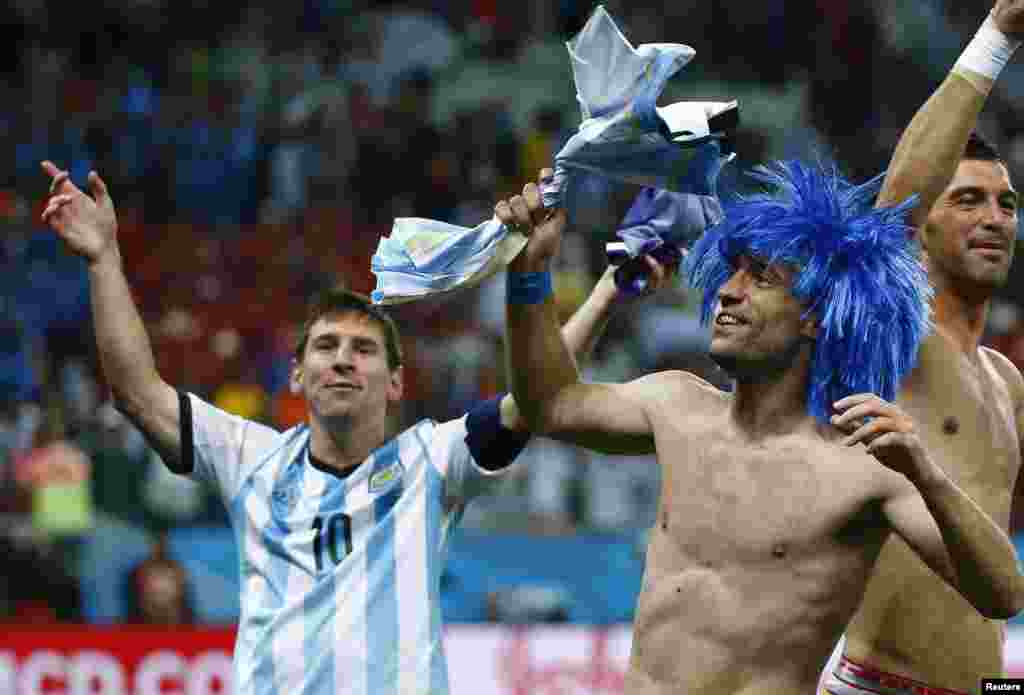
(453, 459)
(220, 446)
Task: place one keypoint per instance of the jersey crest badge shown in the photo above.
(386, 477)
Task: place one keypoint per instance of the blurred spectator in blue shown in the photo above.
(132, 138)
(215, 156)
(42, 299)
(314, 139)
(55, 294)
(301, 113)
(20, 392)
(20, 413)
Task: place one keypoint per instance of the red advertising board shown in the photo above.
(115, 661)
(482, 660)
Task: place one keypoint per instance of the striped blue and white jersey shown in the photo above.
(340, 575)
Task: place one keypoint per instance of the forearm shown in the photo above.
(982, 555)
(579, 334)
(586, 325)
(124, 348)
(930, 149)
(540, 365)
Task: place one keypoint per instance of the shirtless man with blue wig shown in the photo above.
(777, 497)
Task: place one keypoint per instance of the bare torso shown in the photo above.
(911, 622)
(759, 556)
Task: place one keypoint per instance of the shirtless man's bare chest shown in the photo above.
(910, 621)
(758, 557)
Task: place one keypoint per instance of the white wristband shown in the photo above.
(988, 52)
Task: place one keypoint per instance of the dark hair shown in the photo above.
(341, 301)
(980, 148)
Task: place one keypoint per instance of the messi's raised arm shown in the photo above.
(88, 225)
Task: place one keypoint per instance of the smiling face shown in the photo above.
(970, 232)
(344, 372)
(758, 327)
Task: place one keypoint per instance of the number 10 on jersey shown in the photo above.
(333, 535)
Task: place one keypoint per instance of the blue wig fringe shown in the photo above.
(857, 268)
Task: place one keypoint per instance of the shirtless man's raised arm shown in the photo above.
(544, 376)
(930, 149)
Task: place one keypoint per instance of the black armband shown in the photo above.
(187, 462)
(492, 445)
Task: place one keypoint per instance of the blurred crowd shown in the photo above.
(257, 151)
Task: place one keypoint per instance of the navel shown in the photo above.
(950, 425)
(779, 550)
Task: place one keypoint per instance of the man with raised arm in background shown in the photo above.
(912, 630)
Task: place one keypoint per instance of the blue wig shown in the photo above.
(856, 267)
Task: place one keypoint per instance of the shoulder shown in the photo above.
(939, 358)
(1006, 370)
(676, 381)
(265, 445)
(423, 431)
(215, 428)
(936, 354)
(674, 385)
(429, 433)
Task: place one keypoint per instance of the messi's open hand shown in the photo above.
(87, 224)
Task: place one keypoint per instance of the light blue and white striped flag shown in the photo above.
(624, 136)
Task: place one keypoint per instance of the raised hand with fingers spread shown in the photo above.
(87, 224)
